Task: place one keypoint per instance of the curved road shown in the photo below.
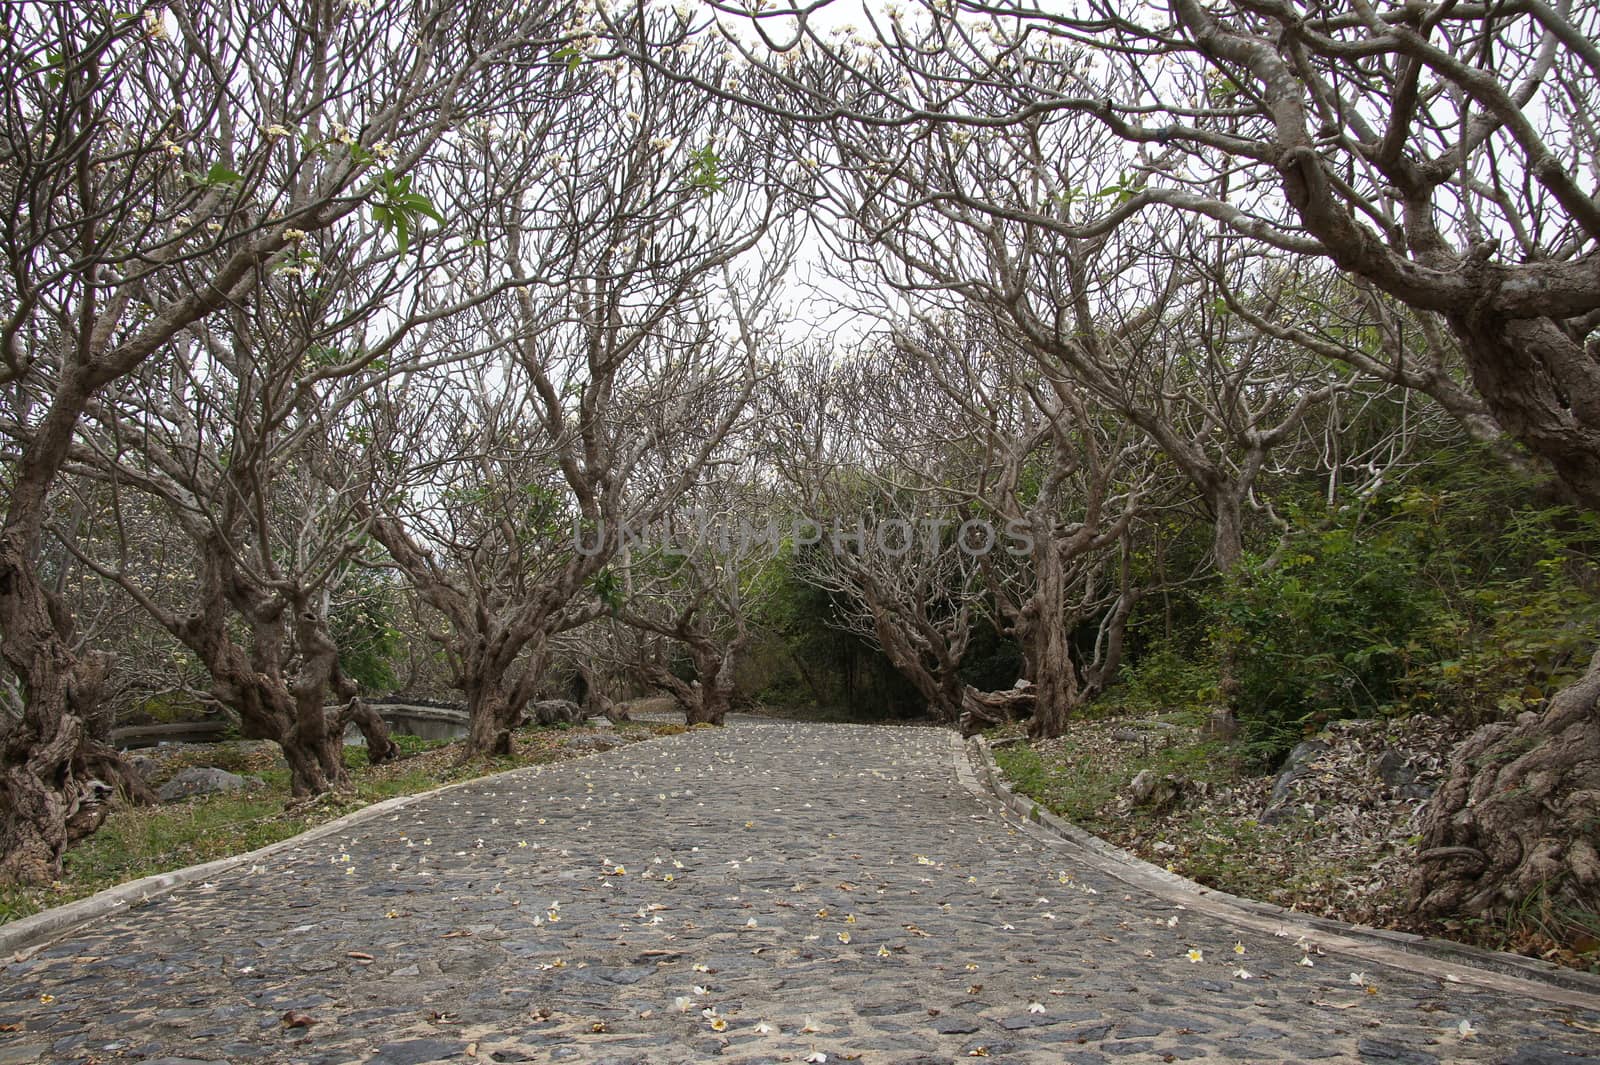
(773, 892)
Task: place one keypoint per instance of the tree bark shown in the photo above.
(1042, 630)
(981, 710)
(1227, 530)
(494, 715)
(1519, 815)
(707, 698)
(48, 758)
(1543, 388)
(594, 700)
(381, 747)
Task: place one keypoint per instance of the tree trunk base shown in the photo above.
(981, 710)
(381, 747)
(50, 804)
(1517, 822)
(707, 712)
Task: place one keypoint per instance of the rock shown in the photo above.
(556, 711)
(1393, 770)
(187, 783)
(1281, 803)
(1157, 793)
(144, 765)
(1372, 1050)
(1549, 1056)
(417, 1051)
(1295, 766)
(956, 1026)
(1127, 735)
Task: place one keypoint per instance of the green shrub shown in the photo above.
(1331, 628)
(1164, 680)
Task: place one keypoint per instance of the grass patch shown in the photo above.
(1076, 792)
(136, 842)
(1079, 777)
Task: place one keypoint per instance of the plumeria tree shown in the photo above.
(155, 167)
(1065, 478)
(645, 245)
(692, 592)
(882, 470)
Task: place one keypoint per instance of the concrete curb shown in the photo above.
(20, 938)
(1439, 958)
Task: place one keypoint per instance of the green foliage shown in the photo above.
(705, 171)
(1164, 679)
(1329, 631)
(606, 586)
(398, 210)
(366, 631)
(1071, 783)
(1460, 592)
(218, 176)
(170, 707)
(829, 667)
(571, 57)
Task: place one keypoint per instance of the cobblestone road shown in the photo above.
(764, 893)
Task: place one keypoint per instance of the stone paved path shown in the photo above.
(766, 893)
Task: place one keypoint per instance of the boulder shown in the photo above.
(1159, 793)
(187, 783)
(556, 711)
(144, 765)
(1281, 804)
(1393, 770)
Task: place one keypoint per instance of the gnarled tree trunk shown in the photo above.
(981, 710)
(49, 757)
(1042, 631)
(380, 744)
(494, 712)
(1519, 815)
(594, 700)
(707, 698)
(497, 693)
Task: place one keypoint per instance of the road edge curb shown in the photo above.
(1484, 968)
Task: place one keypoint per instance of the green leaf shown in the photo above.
(704, 171)
(221, 176)
(398, 210)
